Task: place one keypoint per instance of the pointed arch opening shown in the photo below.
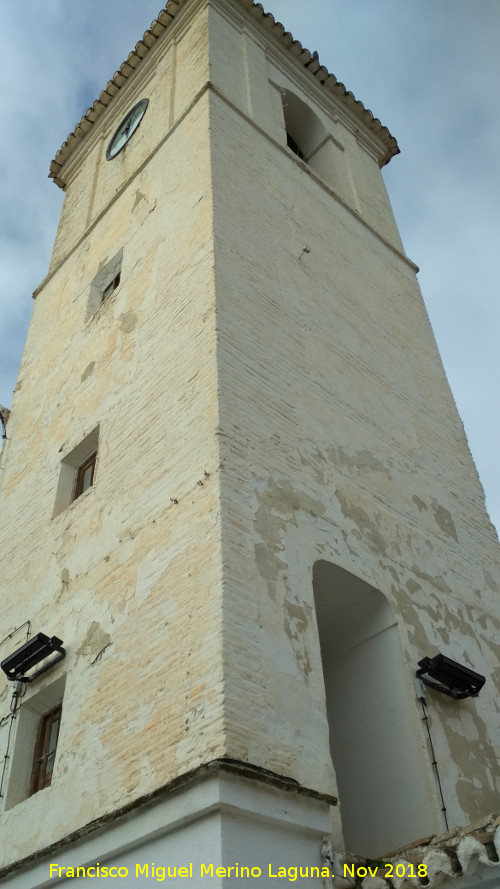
(378, 753)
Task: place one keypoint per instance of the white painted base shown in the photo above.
(222, 820)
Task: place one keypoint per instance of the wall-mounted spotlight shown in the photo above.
(40, 647)
(451, 678)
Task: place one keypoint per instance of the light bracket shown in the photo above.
(17, 665)
(450, 677)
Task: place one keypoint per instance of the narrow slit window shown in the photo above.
(105, 283)
(110, 288)
(45, 749)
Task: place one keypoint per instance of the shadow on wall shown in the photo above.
(377, 747)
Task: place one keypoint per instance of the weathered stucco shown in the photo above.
(337, 420)
(260, 408)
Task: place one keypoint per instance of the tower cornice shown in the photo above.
(266, 20)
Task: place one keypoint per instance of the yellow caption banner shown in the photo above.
(161, 872)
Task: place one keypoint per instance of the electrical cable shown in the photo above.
(17, 694)
(27, 623)
(434, 761)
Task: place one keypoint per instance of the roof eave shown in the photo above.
(165, 18)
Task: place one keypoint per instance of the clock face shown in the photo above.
(126, 129)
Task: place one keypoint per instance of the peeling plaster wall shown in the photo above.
(336, 419)
(128, 575)
(259, 408)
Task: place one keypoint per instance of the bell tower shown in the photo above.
(238, 505)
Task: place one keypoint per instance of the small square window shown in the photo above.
(45, 749)
(105, 283)
(85, 475)
(77, 472)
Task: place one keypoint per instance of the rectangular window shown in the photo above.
(85, 475)
(45, 749)
(77, 472)
(30, 765)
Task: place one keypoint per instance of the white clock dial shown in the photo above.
(126, 129)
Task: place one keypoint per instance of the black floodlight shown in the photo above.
(449, 677)
(16, 665)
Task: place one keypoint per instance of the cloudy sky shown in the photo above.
(429, 69)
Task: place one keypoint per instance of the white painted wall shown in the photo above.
(220, 821)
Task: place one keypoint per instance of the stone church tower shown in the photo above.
(236, 496)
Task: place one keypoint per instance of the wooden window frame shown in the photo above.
(41, 778)
(90, 462)
(110, 288)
